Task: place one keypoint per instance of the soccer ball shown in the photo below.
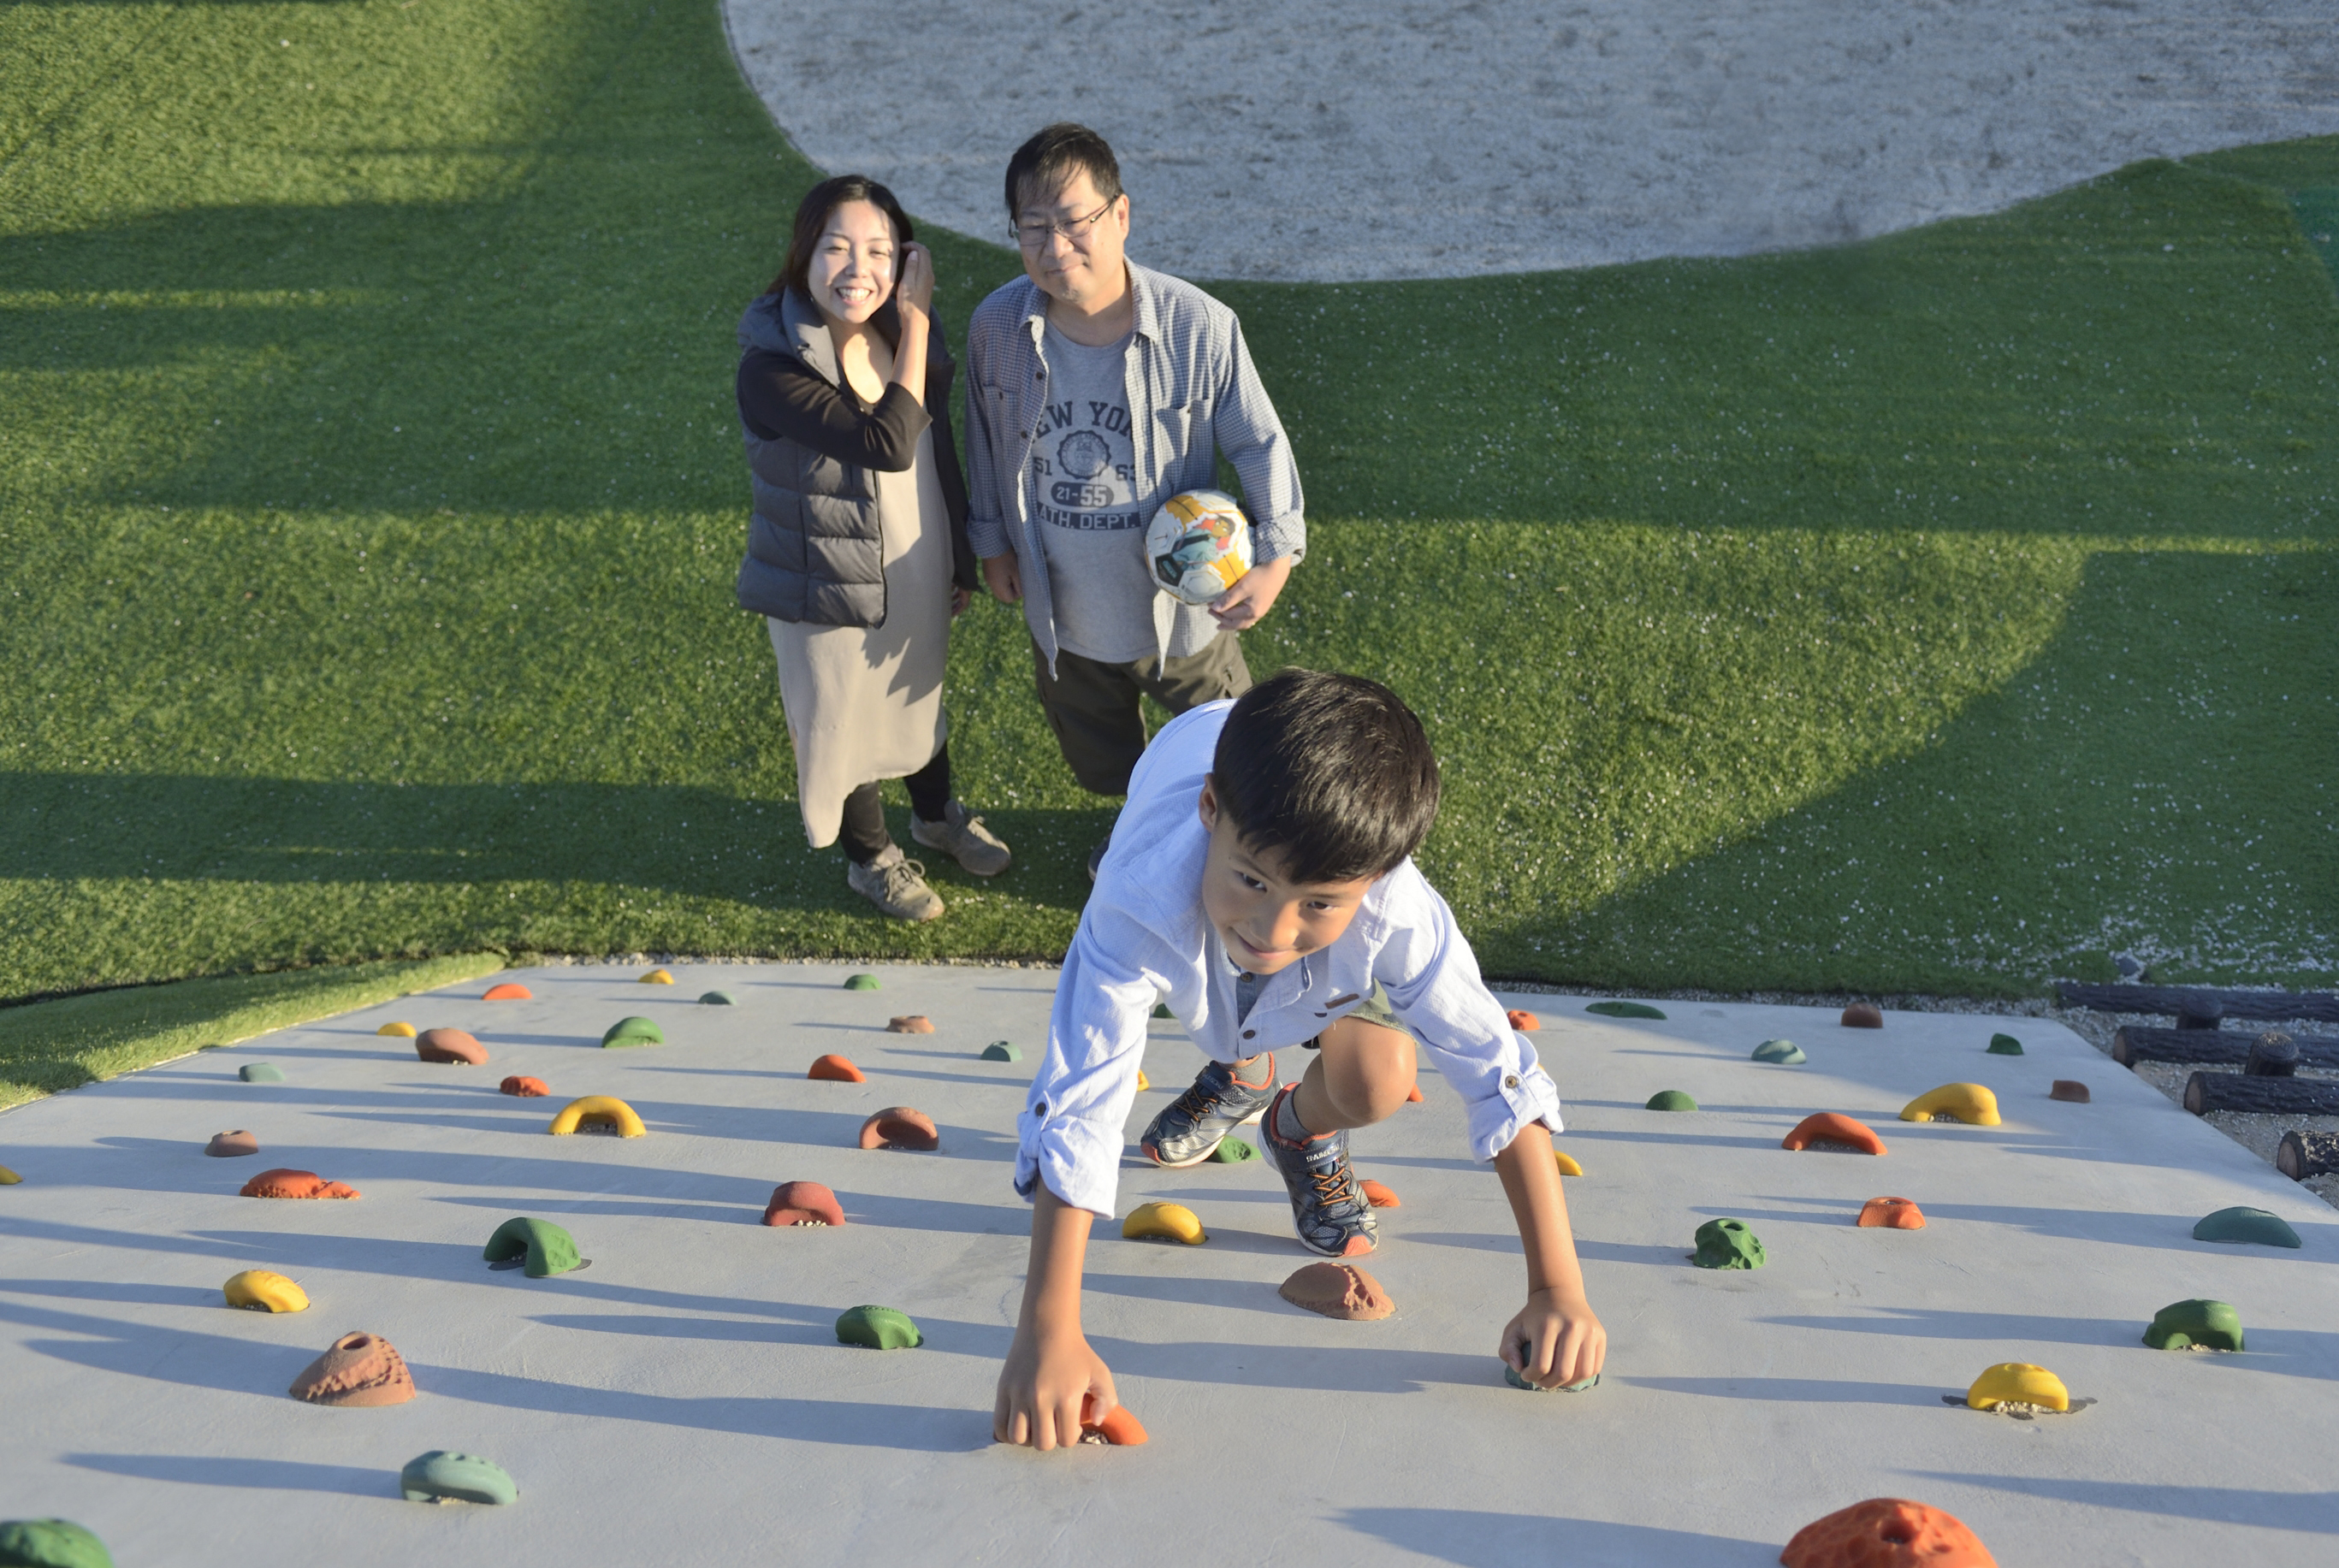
(1198, 544)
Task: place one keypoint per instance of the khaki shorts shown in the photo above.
(1374, 1008)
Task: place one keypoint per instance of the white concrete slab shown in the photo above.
(684, 1399)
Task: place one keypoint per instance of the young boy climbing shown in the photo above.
(1261, 881)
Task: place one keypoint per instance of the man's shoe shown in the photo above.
(1190, 1128)
(964, 838)
(1327, 1209)
(896, 885)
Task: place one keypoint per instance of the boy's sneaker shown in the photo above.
(1192, 1126)
(896, 885)
(964, 838)
(1327, 1209)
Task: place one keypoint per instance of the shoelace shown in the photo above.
(901, 874)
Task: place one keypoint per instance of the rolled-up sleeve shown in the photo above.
(1252, 438)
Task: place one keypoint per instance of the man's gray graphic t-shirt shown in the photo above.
(1083, 472)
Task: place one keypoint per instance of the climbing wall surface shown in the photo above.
(683, 1394)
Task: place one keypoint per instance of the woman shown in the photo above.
(857, 553)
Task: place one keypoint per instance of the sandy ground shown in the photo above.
(1284, 138)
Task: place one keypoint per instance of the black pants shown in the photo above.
(1094, 710)
(864, 809)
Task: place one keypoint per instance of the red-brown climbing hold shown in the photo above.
(1862, 1015)
(802, 1203)
(509, 990)
(910, 1023)
(360, 1369)
(1523, 1021)
(1380, 1197)
(1413, 1095)
(2069, 1089)
(835, 1069)
(293, 1184)
(1118, 1428)
(1338, 1290)
(228, 1145)
(1887, 1532)
(525, 1088)
(1890, 1213)
(900, 1127)
(1832, 1127)
(450, 1045)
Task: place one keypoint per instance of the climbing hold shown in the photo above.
(1886, 1532)
(632, 1031)
(450, 1045)
(51, 1544)
(2247, 1225)
(1968, 1102)
(835, 1069)
(1862, 1015)
(658, 977)
(264, 1290)
(1567, 1165)
(1117, 1427)
(1890, 1213)
(802, 1203)
(1163, 1222)
(860, 982)
(509, 990)
(879, 1329)
(717, 999)
(1380, 1197)
(2004, 1045)
(1728, 1244)
(544, 1247)
(2195, 1324)
(910, 1023)
(1413, 1095)
(1143, 1082)
(1833, 1127)
(900, 1127)
(1624, 1009)
(599, 1111)
(2069, 1089)
(405, 1031)
(261, 1072)
(1001, 1051)
(1233, 1150)
(2018, 1382)
(1338, 1290)
(230, 1145)
(1510, 1376)
(8, 1178)
(281, 1183)
(359, 1368)
(1669, 1099)
(1162, 1010)
(440, 1476)
(1781, 1054)
(1523, 1021)
(525, 1088)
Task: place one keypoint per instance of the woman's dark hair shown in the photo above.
(1333, 772)
(812, 221)
(1047, 162)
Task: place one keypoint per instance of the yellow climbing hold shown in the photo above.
(403, 1031)
(1143, 1082)
(1567, 1167)
(262, 1290)
(8, 1178)
(1968, 1102)
(597, 1110)
(1163, 1222)
(2018, 1382)
(658, 977)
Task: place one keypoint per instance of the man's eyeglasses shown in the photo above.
(1033, 236)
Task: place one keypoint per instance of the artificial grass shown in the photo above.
(1945, 611)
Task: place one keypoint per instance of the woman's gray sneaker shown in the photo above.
(896, 885)
(964, 838)
(1190, 1127)
(1328, 1210)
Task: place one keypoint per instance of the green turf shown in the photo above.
(1943, 612)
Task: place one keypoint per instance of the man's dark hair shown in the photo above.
(812, 221)
(1332, 772)
(1047, 162)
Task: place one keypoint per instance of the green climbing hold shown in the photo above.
(1728, 1244)
(860, 982)
(440, 1476)
(1669, 1099)
(717, 999)
(257, 1072)
(1783, 1052)
(1624, 1009)
(1162, 1010)
(51, 1544)
(1001, 1051)
(628, 1031)
(2182, 1325)
(2004, 1045)
(879, 1329)
(1233, 1150)
(1510, 1376)
(550, 1250)
(2246, 1224)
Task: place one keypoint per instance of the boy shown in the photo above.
(1262, 877)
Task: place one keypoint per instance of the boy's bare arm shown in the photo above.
(1053, 1382)
(1555, 1340)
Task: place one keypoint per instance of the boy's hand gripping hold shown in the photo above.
(1554, 1340)
(1052, 1384)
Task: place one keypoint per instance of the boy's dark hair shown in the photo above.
(812, 221)
(1048, 162)
(1333, 772)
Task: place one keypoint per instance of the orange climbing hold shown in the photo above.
(1864, 1015)
(1887, 1532)
(1380, 1197)
(509, 990)
(911, 1023)
(294, 1184)
(1413, 1095)
(1833, 1127)
(900, 1127)
(1523, 1021)
(525, 1088)
(450, 1045)
(1118, 1428)
(1891, 1214)
(802, 1203)
(835, 1069)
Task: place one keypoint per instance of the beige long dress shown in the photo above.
(865, 702)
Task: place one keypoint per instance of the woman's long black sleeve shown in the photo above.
(780, 400)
